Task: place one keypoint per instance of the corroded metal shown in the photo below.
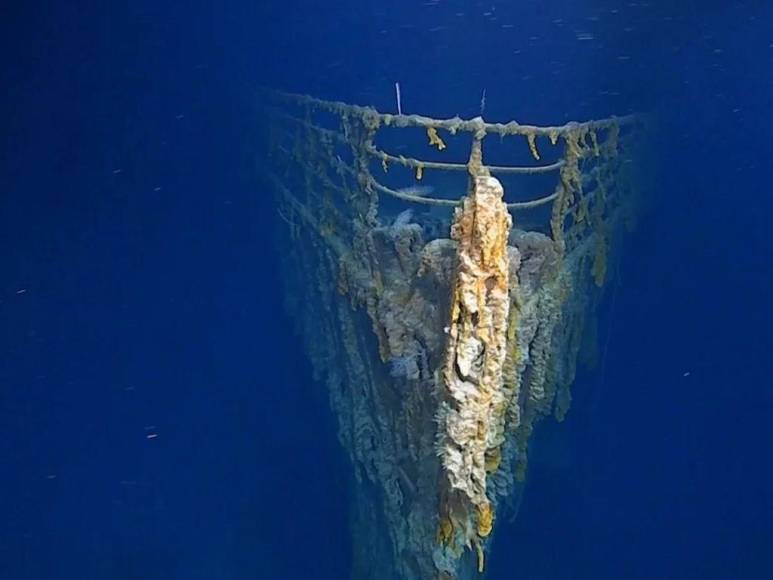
(442, 339)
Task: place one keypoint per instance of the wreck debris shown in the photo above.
(442, 340)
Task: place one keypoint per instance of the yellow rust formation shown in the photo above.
(472, 373)
(434, 138)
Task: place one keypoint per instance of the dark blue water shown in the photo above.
(158, 419)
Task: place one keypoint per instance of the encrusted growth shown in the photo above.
(470, 389)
